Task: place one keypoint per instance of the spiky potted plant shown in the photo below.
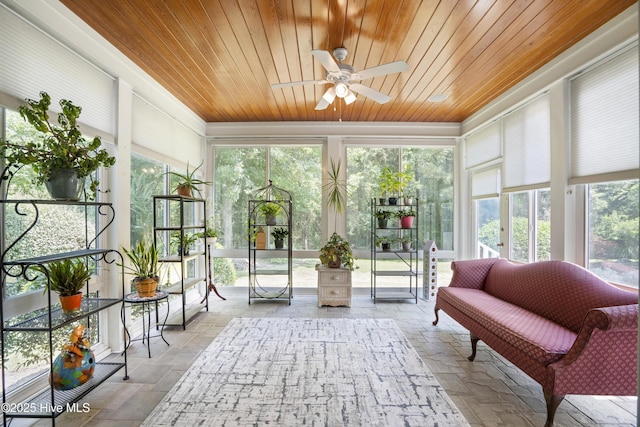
(188, 183)
(67, 278)
(144, 266)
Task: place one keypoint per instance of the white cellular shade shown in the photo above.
(483, 145)
(604, 120)
(32, 62)
(485, 183)
(154, 129)
(527, 146)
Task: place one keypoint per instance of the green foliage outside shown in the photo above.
(432, 172)
(241, 171)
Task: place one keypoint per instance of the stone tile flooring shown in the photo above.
(489, 391)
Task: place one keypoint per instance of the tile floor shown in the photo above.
(489, 391)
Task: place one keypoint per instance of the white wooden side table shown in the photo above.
(334, 287)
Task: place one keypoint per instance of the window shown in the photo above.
(238, 171)
(604, 158)
(613, 224)
(487, 213)
(146, 180)
(432, 171)
(530, 237)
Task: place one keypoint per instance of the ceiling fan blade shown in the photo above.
(322, 105)
(300, 83)
(326, 59)
(379, 97)
(381, 70)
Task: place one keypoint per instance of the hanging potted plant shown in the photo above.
(279, 234)
(67, 278)
(62, 159)
(270, 210)
(145, 267)
(187, 182)
(406, 217)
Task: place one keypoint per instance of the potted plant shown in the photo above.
(279, 234)
(406, 217)
(145, 267)
(384, 242)
(67, 278)
(210, 235)
(403, 179)
(183, 245)
(62, 159)
(383, 216)
(406, 243)
(188, 183)
(387, 185)
(335, 189)
(337, 253)
(270, 210)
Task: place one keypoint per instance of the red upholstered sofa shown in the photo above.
(563, 326)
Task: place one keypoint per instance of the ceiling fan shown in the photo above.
(343, 77)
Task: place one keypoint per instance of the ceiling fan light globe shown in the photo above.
(341, 90)
(329, 95)
(349, 98)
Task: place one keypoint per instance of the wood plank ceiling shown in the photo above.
(220, 57)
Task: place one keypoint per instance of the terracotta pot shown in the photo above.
(184, 190)
(71, 303)
(333, 264)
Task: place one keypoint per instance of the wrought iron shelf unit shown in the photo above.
(277, 281)
(50, 402)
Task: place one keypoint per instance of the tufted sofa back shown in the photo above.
(558, 290)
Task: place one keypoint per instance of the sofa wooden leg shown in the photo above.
(474, 346)
(435, 310)
(553, 401)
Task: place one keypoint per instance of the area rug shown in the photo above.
(307, 372)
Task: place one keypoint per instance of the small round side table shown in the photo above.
(133, 298)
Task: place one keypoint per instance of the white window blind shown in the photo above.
(485, 183)
(483, 145)
(604, 120)
(33, 62)
(154, 129)
(527, 146)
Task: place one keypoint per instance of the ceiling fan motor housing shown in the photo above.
(340, 53)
